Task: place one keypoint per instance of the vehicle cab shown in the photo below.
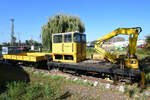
(69, 47)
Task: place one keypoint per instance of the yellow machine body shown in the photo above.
(131, 63)
(69, 47)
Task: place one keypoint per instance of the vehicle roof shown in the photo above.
(68, 33)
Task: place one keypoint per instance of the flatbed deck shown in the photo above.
(30, 57)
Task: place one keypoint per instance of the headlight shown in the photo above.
(132, 62)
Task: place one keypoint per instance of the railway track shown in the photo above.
(74, 75)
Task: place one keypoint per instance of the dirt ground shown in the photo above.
(74, 91)
(91, 93)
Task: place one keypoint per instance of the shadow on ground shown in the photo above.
(64, 96)
(9, 73)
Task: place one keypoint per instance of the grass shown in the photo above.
(15, 84)
(21, 90)
(29, 91)
(132, 91)
(142, 53)
(147, 78)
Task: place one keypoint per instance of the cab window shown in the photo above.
(83, 38)
(67, 38)
(77, 37)
(57, 38)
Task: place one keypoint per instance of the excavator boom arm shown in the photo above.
(133, 35)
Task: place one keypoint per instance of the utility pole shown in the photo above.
(13, 39)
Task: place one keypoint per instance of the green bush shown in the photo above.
(90, 51)
(29, 91)
(143, 51)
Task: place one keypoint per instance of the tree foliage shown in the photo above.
(60, 23)
(148, 41)
(32, 42)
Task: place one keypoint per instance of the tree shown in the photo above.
(32, 42)
(148, 41)
(6, 43)
(60, 23)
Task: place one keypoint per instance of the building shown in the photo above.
(115, 44)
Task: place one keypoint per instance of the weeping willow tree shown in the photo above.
(60, 23)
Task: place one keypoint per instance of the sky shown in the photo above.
(99, 16)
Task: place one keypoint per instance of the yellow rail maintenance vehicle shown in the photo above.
(69, 53)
